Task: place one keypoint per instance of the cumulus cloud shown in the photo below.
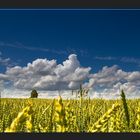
(48, 78)
(109, 81)
(44, 74)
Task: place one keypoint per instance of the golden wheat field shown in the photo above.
(71, 115)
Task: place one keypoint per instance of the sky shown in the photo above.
(57, 50)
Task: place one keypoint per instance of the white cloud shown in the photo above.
(3, 77)
(67, 50)
(18, 93)
(130, 60)
(134, 76)
(110, 80)
(7, 62)
(1, 85)
(105, 58)
(68, 66)
(4, 61)
(44, 74)
(19, 45)
(48, 78)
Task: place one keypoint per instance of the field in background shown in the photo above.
(82, 115)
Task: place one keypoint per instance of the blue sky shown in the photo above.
(98, 37)
(98, 33)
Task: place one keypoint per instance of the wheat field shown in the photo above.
(71, 115)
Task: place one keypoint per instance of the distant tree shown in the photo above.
(34, 94)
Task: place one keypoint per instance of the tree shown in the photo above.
(34, 94)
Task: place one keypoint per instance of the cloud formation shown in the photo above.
(4, 61)
(46, 75)
(110, 80)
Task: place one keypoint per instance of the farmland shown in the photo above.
(71, 115)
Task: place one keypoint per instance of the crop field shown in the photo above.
(71, 115)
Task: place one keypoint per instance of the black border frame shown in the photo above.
(69, 4)
(70, 136)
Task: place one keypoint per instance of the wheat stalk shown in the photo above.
(23, 116)
(138, 118)
(125, 106)
(101, 124)
(60, 115)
